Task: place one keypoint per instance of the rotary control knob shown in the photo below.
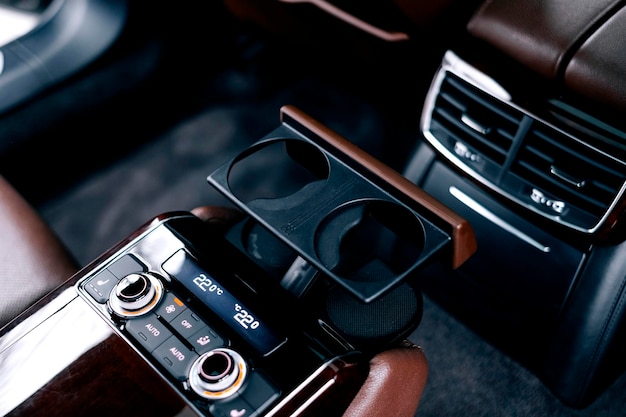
(218, 373)
(135, 294)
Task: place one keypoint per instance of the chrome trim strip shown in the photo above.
(278, 408)
(314, 397)
(454, 64)
(483, 211)
(1, 62)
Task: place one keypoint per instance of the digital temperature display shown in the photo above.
(221, 302)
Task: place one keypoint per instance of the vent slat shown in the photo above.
(590, 130)
(453, 102)
(569, 170)
(578, 154)
(475, 119)
(613, 176)
(490, 149)
(544, 181)
(486, 101)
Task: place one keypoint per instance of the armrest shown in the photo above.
(539, 34)
(394, 385)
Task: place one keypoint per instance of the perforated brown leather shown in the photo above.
(33, 260)
(538, 33)
(598, 69)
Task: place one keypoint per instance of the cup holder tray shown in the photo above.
(348, 215)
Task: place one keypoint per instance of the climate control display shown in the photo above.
(222, 302)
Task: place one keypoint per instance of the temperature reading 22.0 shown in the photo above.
(206, 284)
(216, 297)
(244, 318)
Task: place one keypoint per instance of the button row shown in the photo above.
(170, 348)
(167, 347)
(188, 325)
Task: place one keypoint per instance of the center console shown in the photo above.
(185, 301)
(279, 315)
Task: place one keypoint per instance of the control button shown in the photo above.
(259, 392)
(187, 323)
(218, 374)
(148, 331)
(100, 285)
(205, 340)
(232, 407)
(126, 265)
(133, 287)
(136, 294)
(176, 357)
(171, 307)
(217, 368)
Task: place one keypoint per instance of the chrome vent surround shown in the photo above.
(573, 179)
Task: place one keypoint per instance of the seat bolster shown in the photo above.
(33, 260)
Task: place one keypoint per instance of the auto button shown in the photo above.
(175, 357)
(148, 331)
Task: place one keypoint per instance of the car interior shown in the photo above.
(265, 142)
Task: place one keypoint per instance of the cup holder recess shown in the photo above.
(369, 240)
(327, 212)
(274, 171)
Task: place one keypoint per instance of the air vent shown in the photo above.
(473, 124)
(590, 130)
(569, 168)
(566, 169)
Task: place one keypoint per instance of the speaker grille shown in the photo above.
(384, 319)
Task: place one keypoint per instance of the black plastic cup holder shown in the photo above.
(367, 241)
(269, 170)
(327, 212)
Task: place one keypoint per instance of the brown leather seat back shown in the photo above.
(33, 260)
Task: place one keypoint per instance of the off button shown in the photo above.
(187, 323)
